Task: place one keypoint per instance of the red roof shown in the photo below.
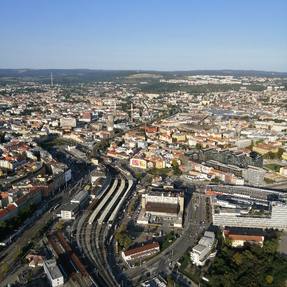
(4, 194)
(141, 249)
(3, 212)
(11, 207)
(246, 237)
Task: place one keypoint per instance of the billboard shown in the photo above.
(139, 163)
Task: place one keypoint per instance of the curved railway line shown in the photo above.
(94, 228)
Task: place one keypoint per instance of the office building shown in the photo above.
(204, 250)
(53, 273)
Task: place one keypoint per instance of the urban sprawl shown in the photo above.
(146, 179)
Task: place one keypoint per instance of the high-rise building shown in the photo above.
(110, 123)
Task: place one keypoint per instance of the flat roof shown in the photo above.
(53, 268)
(162, 207)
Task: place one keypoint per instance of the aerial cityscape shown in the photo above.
(124, 166)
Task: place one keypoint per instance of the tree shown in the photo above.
(269, 279)
(170, 282)
(237, 258)
(198, 146)
(175, 167)
(280, 152)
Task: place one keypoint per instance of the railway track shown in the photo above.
(95, 228)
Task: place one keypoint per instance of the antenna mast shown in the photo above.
(52, 80)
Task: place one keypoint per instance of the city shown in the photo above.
(111, 185)
(143, 144)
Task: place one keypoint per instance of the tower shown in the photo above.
(132, 111)
(110, 123)
(52, 80)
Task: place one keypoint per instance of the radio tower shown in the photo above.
(132, 111)
(52, 80)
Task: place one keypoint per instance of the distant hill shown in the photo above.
(85, 75)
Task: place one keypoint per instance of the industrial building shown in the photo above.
(69, 211)
(248, 207)
(160, 205)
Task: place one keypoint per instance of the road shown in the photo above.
(11, 252)
(194, 225)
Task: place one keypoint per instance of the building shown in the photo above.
(69, 211)
(53, 273)
(96, 176)
(35, 260)
(155, 282)
(238, 235)
(160, 205)
(110, 123)
(68, 123)
(248, 207)
(240, 159)
(80, 198)
(141, 252)
(204, 250)
(138, 163)
(254, 175)
(263, 148)
(86, 117)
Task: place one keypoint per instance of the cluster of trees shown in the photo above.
(164, 172)
(101, 146)
(273, 167)
(157, 87)
(168, 240)
(123, 238)
(160, 171)
(274, 155)
(250, 265)
(57, 141)
(175, 168)
(2, 137)
(8, 226)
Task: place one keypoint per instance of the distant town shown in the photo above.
(143, 178)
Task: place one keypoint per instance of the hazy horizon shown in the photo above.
(145, 70)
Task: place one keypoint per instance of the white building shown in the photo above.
(276, 219)
(53, 273)
(203, 250)
(68, 211)
(68, 122)
(255, 207)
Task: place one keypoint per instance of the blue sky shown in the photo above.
(144, 34)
